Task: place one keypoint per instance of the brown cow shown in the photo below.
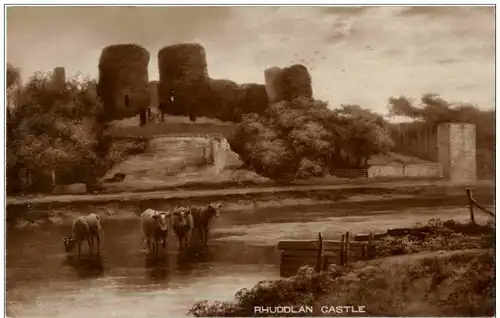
(182, 223)
(84, 228)
(155, 226)
(202, 217)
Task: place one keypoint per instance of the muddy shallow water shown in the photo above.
(124, 282)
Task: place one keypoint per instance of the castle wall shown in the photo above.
(220, 149)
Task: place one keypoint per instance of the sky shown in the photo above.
(355, 55)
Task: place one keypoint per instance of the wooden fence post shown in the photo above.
(346, 254)
(471, 206)
(473, 202)
(342, 249)
(319, 260)
(53, 177)
(325, 262)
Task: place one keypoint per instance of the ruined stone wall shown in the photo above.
(220, 149)
(59, 78)
(457, 151)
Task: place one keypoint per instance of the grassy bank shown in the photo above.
(261, 183)
(438, 187)
(450, 272)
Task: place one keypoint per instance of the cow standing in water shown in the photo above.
(155, 226)
(182, 224)
(202, 217)
(84, 228)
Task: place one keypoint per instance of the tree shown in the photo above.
(368, 135)
(302, 138)
(435, 110)
(261, 148)
(54, 130)
(13, 76)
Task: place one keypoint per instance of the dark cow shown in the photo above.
(84, 228)
(202, 217)
(155, 225)
(182, 223)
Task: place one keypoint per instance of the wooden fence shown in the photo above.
(473, 203)
(320, 253)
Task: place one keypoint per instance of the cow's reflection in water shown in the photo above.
(188, 258)
(157, 266)
(86, 266)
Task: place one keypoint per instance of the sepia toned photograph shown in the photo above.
(250, 161)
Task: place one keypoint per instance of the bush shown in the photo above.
(438, 235)
(303, 138)
(301, 289)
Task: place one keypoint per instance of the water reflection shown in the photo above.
(157, 266)
(196, 253)
(44, 280)
(86, 266)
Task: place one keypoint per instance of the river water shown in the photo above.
(124, 282)
(44, 281)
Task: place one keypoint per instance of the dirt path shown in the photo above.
(182, 194)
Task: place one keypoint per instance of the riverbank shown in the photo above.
(450, 272)
(214, 193)
(259, 205)
(440, 283)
